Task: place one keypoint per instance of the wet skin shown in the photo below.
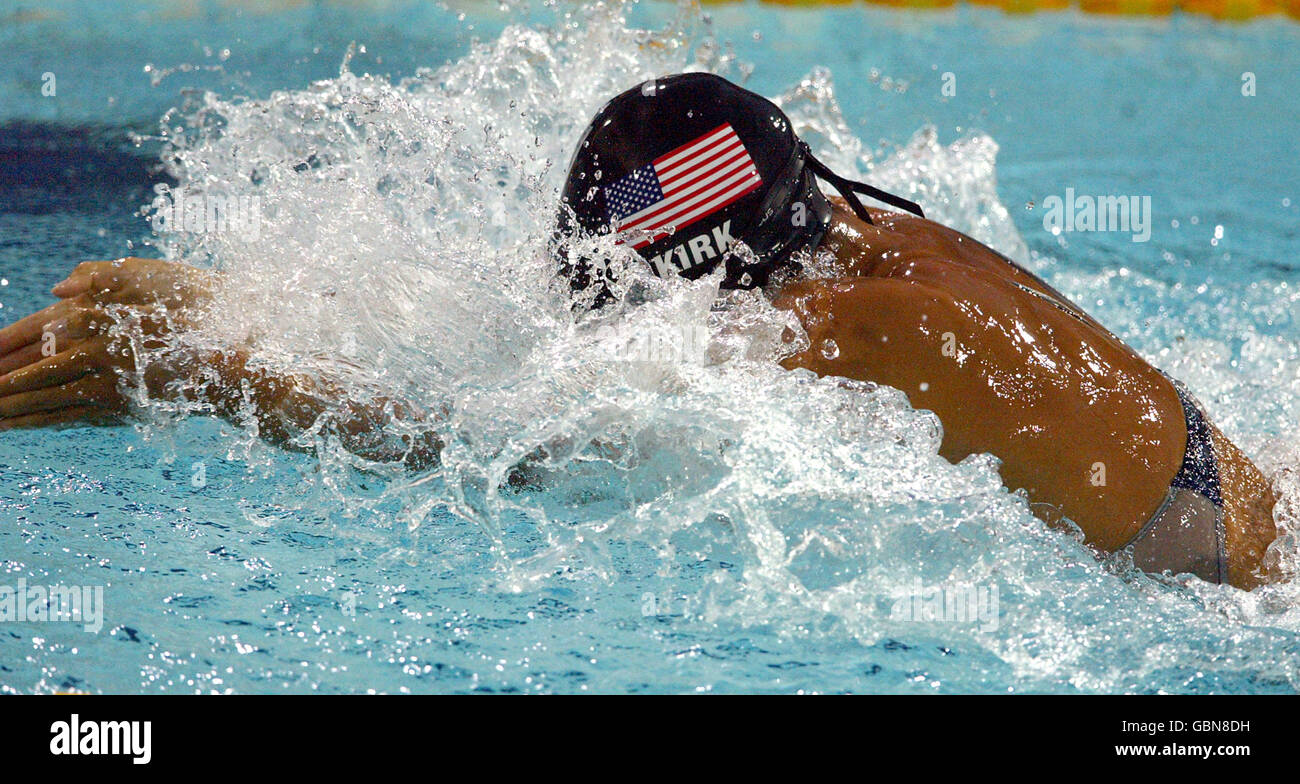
(1026, 376)
(1014, 369)
(60, 366)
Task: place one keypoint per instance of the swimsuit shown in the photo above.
(1186, 534)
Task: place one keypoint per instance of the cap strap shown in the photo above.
(846, 187)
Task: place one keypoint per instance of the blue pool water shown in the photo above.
(735, 528)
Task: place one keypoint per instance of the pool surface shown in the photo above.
(702, 524)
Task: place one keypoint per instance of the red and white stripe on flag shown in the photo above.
(697, 179)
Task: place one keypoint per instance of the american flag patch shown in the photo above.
(681, 187)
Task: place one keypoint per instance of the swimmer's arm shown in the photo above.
(285, 406)
(59, 367)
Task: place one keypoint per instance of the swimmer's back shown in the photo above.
(1090, 429)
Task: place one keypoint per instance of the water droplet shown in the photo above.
(830, 349)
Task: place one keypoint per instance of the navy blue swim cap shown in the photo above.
(683, 167)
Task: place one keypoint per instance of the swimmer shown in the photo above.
(696, 174)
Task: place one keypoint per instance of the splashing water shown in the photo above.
(405, 225)
(401, 246)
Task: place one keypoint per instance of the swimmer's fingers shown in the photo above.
(90, 415)
(27, 355)
(48, 332)
(88, 392)
(94, 278)
(58, 369)
(28, 330)
(136, 282)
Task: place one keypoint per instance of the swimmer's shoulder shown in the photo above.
(899, 244)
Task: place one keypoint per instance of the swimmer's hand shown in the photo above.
(60, 366)
(139, 282)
